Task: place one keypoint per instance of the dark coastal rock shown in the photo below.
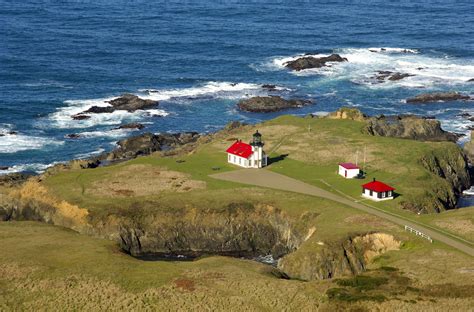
(12, 133)
(99, 110)
(270, 87)
(471, 80)
(307, 62)
(438, 97)
(73, 136)
(267, 104)
(149, 143)
(390, 76)
(4, 168)
(409, 127)
(133, 125)
(127, 102)
(80, 117)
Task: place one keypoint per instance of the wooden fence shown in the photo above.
(412, 230)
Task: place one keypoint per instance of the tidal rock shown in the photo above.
(80, 117)
(392, 76)
(471, 80)
(438, 97)
(73, 136)
(270, 87)
(307, 62)
(267, 104)
(3, 168)
(133, 125)
(127, 102)
(409, 127)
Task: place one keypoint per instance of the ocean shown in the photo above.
(198, 59)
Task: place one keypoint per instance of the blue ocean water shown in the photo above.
(58, 58)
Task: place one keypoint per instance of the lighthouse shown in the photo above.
(249, 155)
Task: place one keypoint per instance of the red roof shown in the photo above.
(240, 149)
(378, 187)
(349, 165)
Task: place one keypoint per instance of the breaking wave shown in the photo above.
(62, 118)
(14, 142)
(34, 167)
(364, 64)
(213, 89)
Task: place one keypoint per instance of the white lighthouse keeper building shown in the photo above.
(248, 155)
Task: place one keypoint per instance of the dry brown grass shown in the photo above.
(143, 180)
(369, 220)
(457, 225)
(63, 213)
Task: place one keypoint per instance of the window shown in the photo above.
(255, 162)
(371, 193)
(240, 159)
(234, 159)
(228, 158)
(389, 193)
(383, 194)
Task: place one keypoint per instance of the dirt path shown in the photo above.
(269, 179)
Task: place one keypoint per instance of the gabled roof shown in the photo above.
(378, 186)
(240, 149)
(349, 166)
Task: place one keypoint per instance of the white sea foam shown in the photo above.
(12, 143)
(62, 118)
(363, 64)
(87, 155)
(214, 89)
(34, 167)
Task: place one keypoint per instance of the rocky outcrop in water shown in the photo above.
(133, 125)
(126, 102)
(307, 62)
(344, 257)
(409, 127)
(391, 76)
(438, 97)
(267, 104)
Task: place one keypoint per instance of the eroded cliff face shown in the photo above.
(344, 257)
(451, 165)
(240, 229)
(234, 229)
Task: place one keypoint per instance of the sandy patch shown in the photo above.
(142, 180)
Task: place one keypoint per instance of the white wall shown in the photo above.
(366, 193)
(351, 173)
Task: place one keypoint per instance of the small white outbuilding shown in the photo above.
(349, 170)
(377, 191)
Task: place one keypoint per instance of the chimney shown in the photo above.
(374, 179)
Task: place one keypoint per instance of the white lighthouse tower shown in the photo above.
(258, 159)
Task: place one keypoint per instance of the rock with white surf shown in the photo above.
(438, 97)
(307, 62)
